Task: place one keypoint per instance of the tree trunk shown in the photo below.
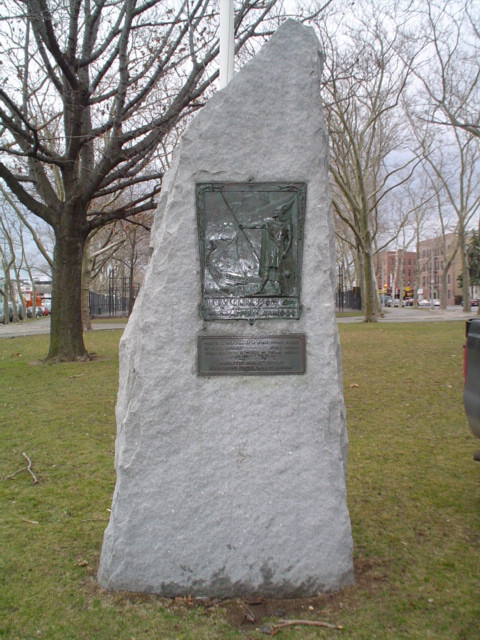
(6, 292)
(465, 272)
(86, 280)
(371, 306)
(443, 290)
(66, 332)
(15, 317)
(401, 279)
(21, 314)
(132, 272)
(416, 285)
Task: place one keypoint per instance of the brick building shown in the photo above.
(389, 267)
(440, 250)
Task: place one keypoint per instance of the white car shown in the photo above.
(427, 303)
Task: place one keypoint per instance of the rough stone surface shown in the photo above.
(230, 486)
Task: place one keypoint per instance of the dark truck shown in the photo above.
(471, 371)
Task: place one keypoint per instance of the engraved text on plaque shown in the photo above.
(242, 355)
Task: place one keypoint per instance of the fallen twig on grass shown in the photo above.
(12, 475)
(27, 468)
(273, 629)
(249, 615)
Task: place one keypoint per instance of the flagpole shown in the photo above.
(226, 42)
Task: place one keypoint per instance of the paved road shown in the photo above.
(394, 314)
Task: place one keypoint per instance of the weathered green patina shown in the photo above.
(251, 241)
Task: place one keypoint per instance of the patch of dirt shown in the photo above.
(254, 611)
(250, 614)
(91, 357)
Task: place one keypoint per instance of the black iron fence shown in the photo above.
(115, 300)
(348, 300)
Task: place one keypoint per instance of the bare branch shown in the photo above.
(25, 198)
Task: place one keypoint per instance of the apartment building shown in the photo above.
(390, 265)
(433, 256)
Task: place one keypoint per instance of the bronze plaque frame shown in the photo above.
(251, 247)
(225, 355)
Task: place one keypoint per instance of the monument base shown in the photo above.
(241, 493)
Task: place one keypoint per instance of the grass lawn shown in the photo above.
(414, 500)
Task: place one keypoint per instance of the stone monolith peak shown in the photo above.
(231, 478)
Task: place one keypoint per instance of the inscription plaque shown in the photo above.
(251, 240)
(242, 355)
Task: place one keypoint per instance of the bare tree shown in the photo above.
(449, 72)
(88, 92)
(443, 109)
(7, 259)
(452, 165)
(10, 262)
(38, 236)
(369, 157)
(122, 247)
(420, 199)
(95, 255)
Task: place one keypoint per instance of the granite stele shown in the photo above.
(231, 447)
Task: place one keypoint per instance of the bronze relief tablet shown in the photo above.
(251, 242)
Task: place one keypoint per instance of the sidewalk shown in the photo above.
(410, 314)
(42, 326)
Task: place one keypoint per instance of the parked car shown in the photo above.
(10, 311)
(424, 303)
(474, 302)
(386, 300)
(38, 312)
(436, 303)
(471, 372)
(408, 302)
(396, 302)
